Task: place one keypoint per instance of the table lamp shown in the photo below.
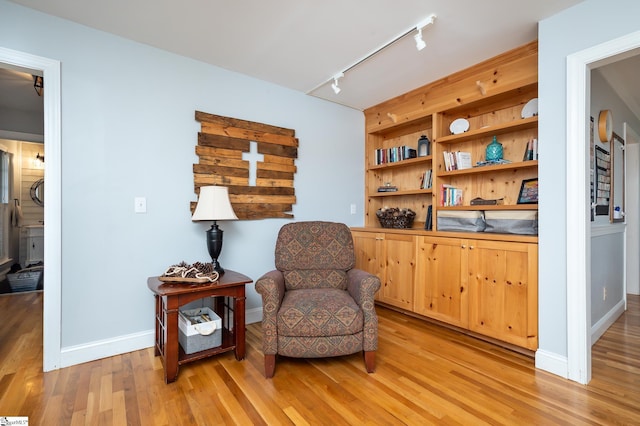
(213, 204)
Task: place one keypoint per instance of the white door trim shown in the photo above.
(579, 67)
(52, 315)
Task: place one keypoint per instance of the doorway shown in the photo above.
(579, 67)
(50, 70)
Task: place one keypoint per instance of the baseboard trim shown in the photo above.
(99, 349)
(552, 363)
(79, 354)
(606, 321)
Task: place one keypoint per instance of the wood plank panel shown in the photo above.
(221, 145)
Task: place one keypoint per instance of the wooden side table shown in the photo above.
(229, 305)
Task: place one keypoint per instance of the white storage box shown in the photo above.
(524, 222)
(26, 279)
(196, 333)
(461, 220)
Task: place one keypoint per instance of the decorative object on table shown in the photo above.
(482, 202)
(459, 125)
(424, 146)
(395, 217)
(530, 109)
(199, 272)
(605, 125)
(494, 150)
(213, 204)
(528, 192)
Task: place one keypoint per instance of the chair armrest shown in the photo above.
(362, 287)
(271, 287)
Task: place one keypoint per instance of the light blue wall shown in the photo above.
(128, 130)
(585, 25)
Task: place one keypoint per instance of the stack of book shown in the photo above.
(457, 160)
(387, 188)
(393, 154)
(531, 150)
(450, 196)
(427, 179)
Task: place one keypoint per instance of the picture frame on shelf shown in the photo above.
(528, 191)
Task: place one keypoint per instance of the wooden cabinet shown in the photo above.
(488, 287)
(503, 291)
(441, 290)
(483, 282)
(392, 258)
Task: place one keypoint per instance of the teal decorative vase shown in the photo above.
(494, 151)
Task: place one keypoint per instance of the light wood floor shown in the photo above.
(425, 375)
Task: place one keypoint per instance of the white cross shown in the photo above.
(252, 157)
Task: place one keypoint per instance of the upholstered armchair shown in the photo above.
(315, 304)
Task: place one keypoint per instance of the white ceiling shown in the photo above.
(301, 44)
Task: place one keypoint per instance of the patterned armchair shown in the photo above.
(315, 304)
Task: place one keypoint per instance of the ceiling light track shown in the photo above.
(420, 44)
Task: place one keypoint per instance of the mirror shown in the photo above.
(616, 206)
(37, 192)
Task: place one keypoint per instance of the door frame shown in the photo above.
(52, 313)
(579, 66)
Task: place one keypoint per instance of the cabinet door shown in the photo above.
(503, 286)
(369, 248)
(400, 265)
(441, 282)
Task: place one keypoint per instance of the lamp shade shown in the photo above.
(214, 204)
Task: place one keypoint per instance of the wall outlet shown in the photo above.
(140, 204)
(604, 293)
(353, 208)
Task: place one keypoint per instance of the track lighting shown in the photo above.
(334, 85)
(420, 44)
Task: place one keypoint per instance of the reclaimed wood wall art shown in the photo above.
(226, 158)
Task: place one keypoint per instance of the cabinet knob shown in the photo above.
(463, 246)
(470, 247)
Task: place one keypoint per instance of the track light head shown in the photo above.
(420, 44)
(334, 85)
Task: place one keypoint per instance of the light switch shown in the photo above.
(353, 208)
(140, 205)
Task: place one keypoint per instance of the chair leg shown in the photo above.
(370, 361)
(269, 365)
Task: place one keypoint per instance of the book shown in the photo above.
(463, 160)
(428, 223)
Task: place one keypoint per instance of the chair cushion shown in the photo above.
(314, 245)
(319, 312)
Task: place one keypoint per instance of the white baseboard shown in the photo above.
(553, 363)
(253, 315)
(99, 349)
(606, 321)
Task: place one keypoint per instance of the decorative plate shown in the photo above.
(459, 125)
(530, 109)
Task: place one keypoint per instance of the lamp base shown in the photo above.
(214, 245)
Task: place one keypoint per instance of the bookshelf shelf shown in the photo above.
(403, 163)
(533, 164)
(397, 193)
(493, 207)
(499, 129)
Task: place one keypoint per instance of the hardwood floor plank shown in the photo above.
(426, 374)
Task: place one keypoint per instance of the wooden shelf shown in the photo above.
(403, 163)
(512, 126)
(493, 207)
(397, 193)
(491, 169)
